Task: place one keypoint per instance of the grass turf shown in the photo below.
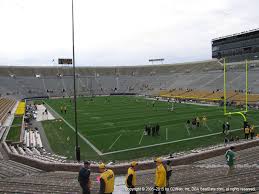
(15, 130)
(14, 134)
(117, 122)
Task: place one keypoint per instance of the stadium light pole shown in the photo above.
(77, 148)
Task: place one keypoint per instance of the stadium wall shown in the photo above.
(122, 168)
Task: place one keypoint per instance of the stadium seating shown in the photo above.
(203, 75)
(212, 173)
(16, 177)
(6, 105)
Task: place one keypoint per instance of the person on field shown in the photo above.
(252, 131)
(153, 129)
(194, 123)
(61, 109)
(204, 120)
(157, 128)
(198, 122)
(106, 180)
(188, 123)
(230, 156)
(84, 178)
(247, 131)
(131, 179)
(228, 126)
(160, 177)
(223, 128)
(65, 109)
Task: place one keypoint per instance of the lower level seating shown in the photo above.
(6, 105)
(202, 175)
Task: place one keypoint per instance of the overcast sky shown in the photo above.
(118, 32)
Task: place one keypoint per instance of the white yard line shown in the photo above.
(165, 143)
(79, 134)
(208, 127)
(141, 138)
(187, 128)
(115, 141)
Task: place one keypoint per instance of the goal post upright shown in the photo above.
(246, 93)
(225, 89)
(246, 85)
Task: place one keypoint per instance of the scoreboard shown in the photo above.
(65, 61)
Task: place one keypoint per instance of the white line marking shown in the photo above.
(207, 127)
(187, 128)
(141, 138)
(165, 143)
(79, 134)
(115, 141)
(166, 133)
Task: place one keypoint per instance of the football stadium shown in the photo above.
(174, 127)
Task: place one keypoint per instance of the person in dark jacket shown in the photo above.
(84, 178)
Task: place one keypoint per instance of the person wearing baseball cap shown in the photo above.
(106, 180)
(84, 178)
(160, 177)
(131, 177)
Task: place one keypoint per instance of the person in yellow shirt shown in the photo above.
(160, 177)
(131, 177)
(247, 130)
(204, 121)
(106, 180)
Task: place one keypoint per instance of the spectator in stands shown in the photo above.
(160, 177)
(230, 156)
(106, 180)
(131, 177)
(84, 178)
(252, 131)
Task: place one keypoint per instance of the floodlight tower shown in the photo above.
(77, 148)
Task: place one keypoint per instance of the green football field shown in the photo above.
(111, 128)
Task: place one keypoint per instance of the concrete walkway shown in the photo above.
(41, 116)
(43, 136)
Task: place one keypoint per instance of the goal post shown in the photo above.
(242, 113)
